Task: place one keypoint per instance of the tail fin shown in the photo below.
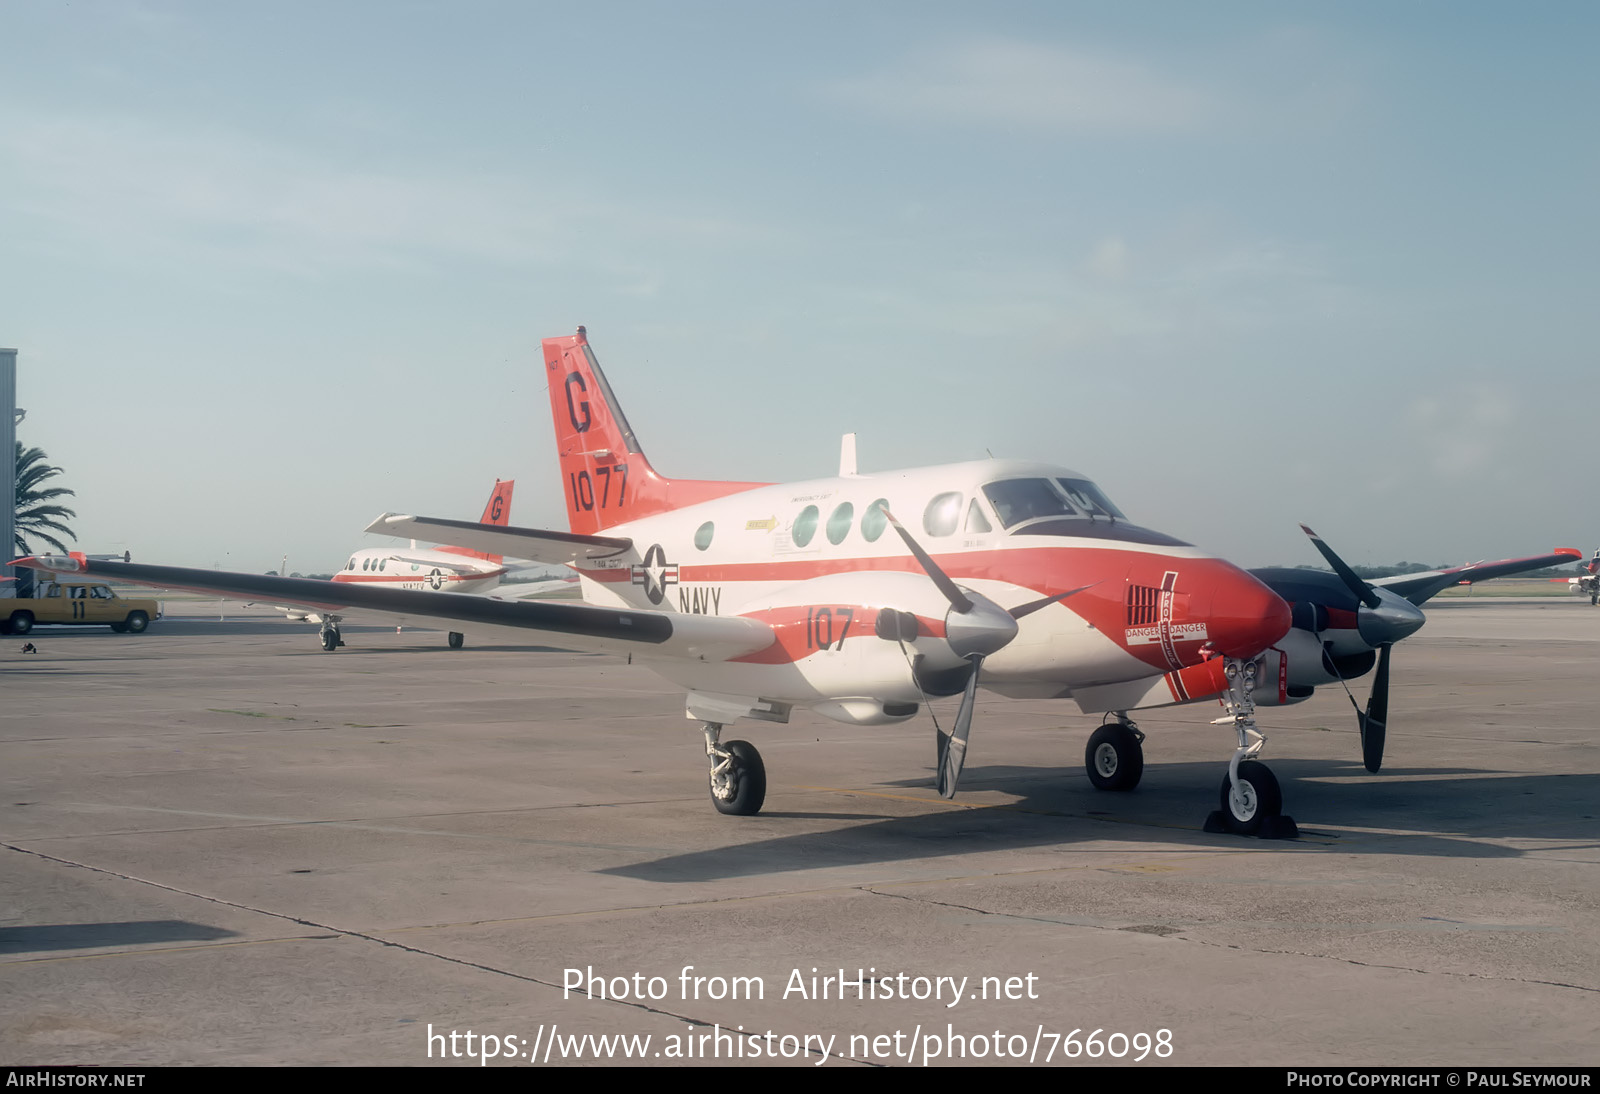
(606, 477)
(497, 512)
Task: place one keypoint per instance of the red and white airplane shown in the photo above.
(1588, 584)
(858, 596)
(437, 569)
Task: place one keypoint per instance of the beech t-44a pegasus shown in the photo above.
(858, 597)
(453, 569)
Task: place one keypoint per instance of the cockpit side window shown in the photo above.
(977, 523)
(943, 514)
(1017, 500)
(1091, 498)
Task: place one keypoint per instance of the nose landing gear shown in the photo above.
(1252, 803)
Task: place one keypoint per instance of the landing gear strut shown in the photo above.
(1252, 804)
(738, 777)
(330, 637)
(1114, 757)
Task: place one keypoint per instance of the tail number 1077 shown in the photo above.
(584, 491)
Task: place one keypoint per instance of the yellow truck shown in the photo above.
(76, 602)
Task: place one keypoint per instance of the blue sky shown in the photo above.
(274, 269)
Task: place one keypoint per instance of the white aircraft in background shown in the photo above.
(759, 599)
(436, 569)
(1588, 584)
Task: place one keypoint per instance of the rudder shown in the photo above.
(605, 475)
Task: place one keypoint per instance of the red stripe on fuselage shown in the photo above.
(1240, 615)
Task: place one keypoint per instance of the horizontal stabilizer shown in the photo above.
(537, 544)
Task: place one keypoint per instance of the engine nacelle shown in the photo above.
(866, 712)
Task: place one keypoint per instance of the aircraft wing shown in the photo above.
(562, 624)
(1419, 588)
(537, 544)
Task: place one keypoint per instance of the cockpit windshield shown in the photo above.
(1019, 500)
(1090, 498)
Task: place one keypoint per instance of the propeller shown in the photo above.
(975, 628)
(1383, 620)
(1374, 723)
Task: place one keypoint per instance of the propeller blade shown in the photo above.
(952, 750)
(958, 599)
(1364, 592)
(1034, 605)
(1374, 723)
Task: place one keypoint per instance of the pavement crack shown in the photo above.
(1060, 922)
(345, 932)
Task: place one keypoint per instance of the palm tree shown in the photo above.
(37, 513)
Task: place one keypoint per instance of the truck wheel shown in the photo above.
(136, 622)
(21, 622)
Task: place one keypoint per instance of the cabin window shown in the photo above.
(703, 534)
(943, 514)
(873, 521)
(839, 523)
(805, 526)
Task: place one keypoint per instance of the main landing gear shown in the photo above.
(1114, 757)
(1252, 804)
(456, 640)
(738, 777)
(330, 637)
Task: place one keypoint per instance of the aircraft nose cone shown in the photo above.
(1246, 616)
(1393, 619)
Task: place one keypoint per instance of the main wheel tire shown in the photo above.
(746, 782)
(1114, 758)
(21, 622)
(1259, 798)
(136, 622)
(330, 640)
(456, 640)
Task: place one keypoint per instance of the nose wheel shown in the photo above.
(1251, 801)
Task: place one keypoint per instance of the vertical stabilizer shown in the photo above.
(604, 473)
(496, 512)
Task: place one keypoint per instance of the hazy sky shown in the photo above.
(275, 268)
